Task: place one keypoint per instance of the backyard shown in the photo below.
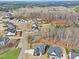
(10, 54)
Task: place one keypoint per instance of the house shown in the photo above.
(34, 26)
(7, 15)
(39, 49)
(73, 55)
(10, 25)
(11, 29)
(54, 53)
(3, 41)
(11, 32)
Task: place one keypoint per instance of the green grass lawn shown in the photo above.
(10, 54)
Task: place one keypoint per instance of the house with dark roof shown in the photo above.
(7, 15)
(10, 25)
(11, 32)
(54, 53)
(11, 28)
(39, 49)
(3, 41)
(73, 55)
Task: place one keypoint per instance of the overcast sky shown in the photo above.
(39, 0)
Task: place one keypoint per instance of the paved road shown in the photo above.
(23, 40)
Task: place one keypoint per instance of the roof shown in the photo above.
(3, 38)
(40, 48)
(74, 54)
(11, 30)
(56, 50)
(10, 25)
(8, 14)
(76, 57)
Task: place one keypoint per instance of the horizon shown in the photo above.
(39, 0)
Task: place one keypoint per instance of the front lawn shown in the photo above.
(10, 54)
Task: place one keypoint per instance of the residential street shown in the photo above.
(23, 40)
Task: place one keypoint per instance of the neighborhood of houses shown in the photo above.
(11, 31)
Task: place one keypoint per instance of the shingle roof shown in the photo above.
(11, 30)
(74, 54)
(10, 25)
(40, 48)
(3, 38)
(56, 50)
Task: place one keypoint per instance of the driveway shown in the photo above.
(30, 52)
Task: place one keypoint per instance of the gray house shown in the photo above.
(34, 26)
(73, 55)
(54, 53)
(39, 50)
(11, 32)
(11, 28)
(3, 41)
(10, 25)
